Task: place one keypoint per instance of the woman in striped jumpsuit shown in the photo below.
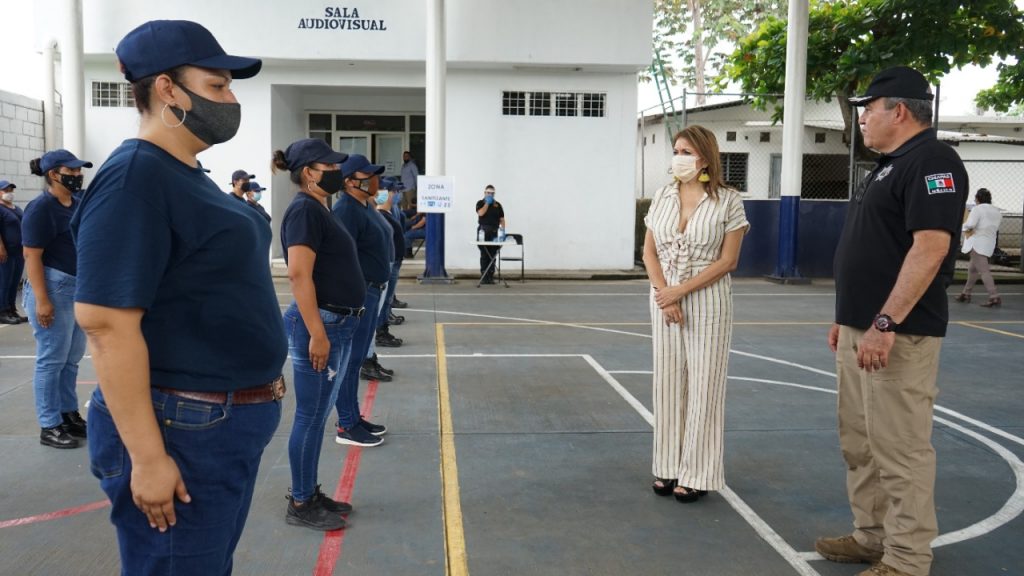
(694, 230)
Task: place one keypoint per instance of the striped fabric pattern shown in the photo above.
(691, 361)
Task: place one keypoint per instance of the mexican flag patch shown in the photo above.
(940, 183)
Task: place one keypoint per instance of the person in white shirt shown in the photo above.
(980, 242)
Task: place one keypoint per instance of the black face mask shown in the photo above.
(331, 181)
(212, 122)
(72, 183)
(365, 185)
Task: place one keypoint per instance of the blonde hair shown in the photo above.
(706, 146)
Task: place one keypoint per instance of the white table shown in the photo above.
(494, 259)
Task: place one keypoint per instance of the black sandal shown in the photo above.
(666, 488)
(689, 494)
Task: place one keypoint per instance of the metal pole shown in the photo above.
(434, 272)
(853, 152)
(786, 270)
(49, 96)
(73, 79)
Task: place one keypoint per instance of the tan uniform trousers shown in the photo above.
(885, 429)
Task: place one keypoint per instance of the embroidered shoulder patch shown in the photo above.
(940, 183)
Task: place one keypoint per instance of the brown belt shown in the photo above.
(255, 395)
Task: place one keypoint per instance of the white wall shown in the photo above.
(566, 183)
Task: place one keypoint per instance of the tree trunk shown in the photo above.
(698, 50)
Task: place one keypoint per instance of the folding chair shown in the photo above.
(515, 256)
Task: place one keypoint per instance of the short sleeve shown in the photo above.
(479, 204)
(501, 211)
(735, 214)
(37, 226)
(649, 217)
(124, 245)
(303, 227)
(935, 195)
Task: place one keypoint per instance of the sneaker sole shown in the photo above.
(62, 446)
(847, 559)
(299, 522)
(348, 442)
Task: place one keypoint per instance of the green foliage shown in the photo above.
(850, 40)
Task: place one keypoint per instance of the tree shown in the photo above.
(691, 33)
(851, 40)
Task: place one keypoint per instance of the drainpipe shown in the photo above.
(73, 79)
(49, 96)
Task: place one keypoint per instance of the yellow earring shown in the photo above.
(704, 177)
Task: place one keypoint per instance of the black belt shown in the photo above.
(343, 310)
(256, 395)
(378, 286)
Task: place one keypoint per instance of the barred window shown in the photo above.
(734, 169)
(513, 103)
(540, 104)
(593, 105)
(565, 104)
(112, 95)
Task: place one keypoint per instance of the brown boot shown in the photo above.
(883, 569)
(846, 550)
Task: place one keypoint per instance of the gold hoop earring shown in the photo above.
(704, 176)
(184, 114)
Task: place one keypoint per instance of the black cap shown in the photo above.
(898, 82)
(309, 150)
(241, 175)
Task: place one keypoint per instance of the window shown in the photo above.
(593, 105)
(653, 134)
(112, 95)
(513, 103)
(369, 123)
(766, 136)
(320, 122)
(565, 104)
(819, 137)
(730, 136)
(734, 169)
(540, 104)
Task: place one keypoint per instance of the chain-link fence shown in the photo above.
(1005, 180)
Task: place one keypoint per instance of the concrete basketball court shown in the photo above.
(520, 439)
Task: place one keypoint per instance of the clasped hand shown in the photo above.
(668, 299)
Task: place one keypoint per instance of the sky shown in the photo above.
(21, 68)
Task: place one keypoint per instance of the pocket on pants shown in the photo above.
(107, 454)
(182, 414)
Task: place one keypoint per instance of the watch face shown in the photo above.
(883, 323)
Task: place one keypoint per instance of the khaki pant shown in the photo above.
(885, 429)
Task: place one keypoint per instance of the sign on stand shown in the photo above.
(434, 194)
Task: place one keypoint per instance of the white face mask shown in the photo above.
(8, 196)
(684, 168)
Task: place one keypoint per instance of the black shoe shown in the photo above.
(375, 429)
(487, 281)
(409, 254)
(686, 495)
(8, 318)
(394, 320)
(74, 424)
(396, 303)
(387, 339)
(57, 437)
(377, 365)
(313, 514)
(331, 505)
(358, 436)
(14, 312)
(371, 372)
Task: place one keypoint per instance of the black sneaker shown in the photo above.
(387, 339)
(57, 437)
(14, 312)
(74, 424)
(313, 514)
(357, 436)
(371, 372)
(8, 318)
(331, 505)
(377, 365)
(375, 429)
(396, 303)
(395, 320)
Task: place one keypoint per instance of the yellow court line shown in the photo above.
(1003, 332)
(454, 535)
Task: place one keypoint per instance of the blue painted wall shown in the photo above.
(821, 222)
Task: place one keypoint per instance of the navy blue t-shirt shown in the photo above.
(46, 225)
(371, 234)
(397, 235)
(156, 234)
(10, 228)
(337, 277)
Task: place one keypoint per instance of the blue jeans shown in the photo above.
(347, 403)
(372, 348)
(315, 392)
(217, 448)
(10, 275)
(58, 349)
(417, 234)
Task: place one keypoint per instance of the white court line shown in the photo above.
(762, 528)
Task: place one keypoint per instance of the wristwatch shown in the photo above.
(884, 323)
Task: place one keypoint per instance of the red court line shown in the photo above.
(330, 548)
(55, 515)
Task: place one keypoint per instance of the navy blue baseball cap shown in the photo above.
(5, 184)
(241, 175)
(254, 186)
(897, 82)
(161, 45)
(359, 163)
(309, 150)
(61, 157)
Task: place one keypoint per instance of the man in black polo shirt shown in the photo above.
(490, 217)
(892, 266)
